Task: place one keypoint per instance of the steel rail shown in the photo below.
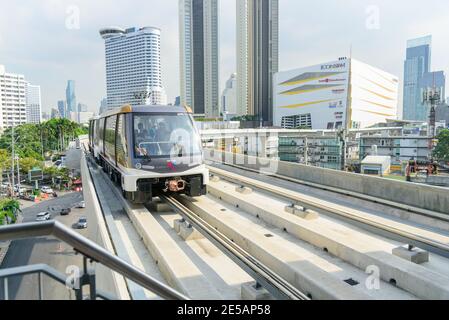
(91, 250)
(364, 223)
(272, 282)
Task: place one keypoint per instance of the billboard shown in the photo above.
(317, 94)
(345, 93)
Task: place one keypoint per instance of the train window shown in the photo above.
(109, 138)
(121, 146)
(165, 135)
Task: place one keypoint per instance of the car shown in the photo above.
(81, 205)
(5, 185)
(43, 216)
(47, 190)
(65, 211)
(82, 223)
(20, 190)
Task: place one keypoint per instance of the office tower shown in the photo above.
(33, 104)
(418, 77)
(82, 107)
(199, 56)
(257, 56)
(133, 66)
(62, 109)
(70, 96)
(103, 105)
(54, 114)
(178, 101)
(12, 99)
(229, 97)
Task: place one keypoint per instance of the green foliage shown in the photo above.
(9, 207)
(27, 164)
(36, 140)
(246, 118)
(442, 149)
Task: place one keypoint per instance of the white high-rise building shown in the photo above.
(257, 56)
(342, 94)
(199, 56)
(33, 104)
(12, 99)
(133, 66)
(229, 97)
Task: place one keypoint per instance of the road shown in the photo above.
(48, 251)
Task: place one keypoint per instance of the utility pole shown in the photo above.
(12, 161)
(18, 174)
(342, 137)
(306, 152)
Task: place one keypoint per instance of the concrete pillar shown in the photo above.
(252, 292)
(244, 190)
(188, 233)
(158, 206)
(301, 212)
(412, 254)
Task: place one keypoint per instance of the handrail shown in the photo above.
(90, 250)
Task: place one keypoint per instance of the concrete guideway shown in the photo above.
(98, 232)
(356, 247)
(196, 268)
(431, 221)
(119, 231)
(422, 199)
(280, 254)
(423, 238)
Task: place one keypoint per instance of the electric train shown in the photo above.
(149, 151)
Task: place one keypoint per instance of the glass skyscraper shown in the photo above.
(199, 55)
(418, 78)
(70, 96)
(62, 109)
(257, 56)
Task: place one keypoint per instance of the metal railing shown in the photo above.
(90, 250)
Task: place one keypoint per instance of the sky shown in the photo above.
(52, 41)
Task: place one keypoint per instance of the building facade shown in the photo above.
(442, 115)
(103, 105)
(70, 96)
(257, 56)
(418, 78)
(133, 66)
(324, 151)
(62, 109)
(199, 56)
(343, 94)
(12, 99)
(33, 104)
(229, 97)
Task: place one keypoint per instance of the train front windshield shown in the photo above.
(165, 136)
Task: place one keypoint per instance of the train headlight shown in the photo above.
(138, 166)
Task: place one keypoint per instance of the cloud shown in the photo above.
(35, 41)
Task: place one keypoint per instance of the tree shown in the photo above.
(9, 208)
(37, 140)
(27, 164)
(441, 151)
